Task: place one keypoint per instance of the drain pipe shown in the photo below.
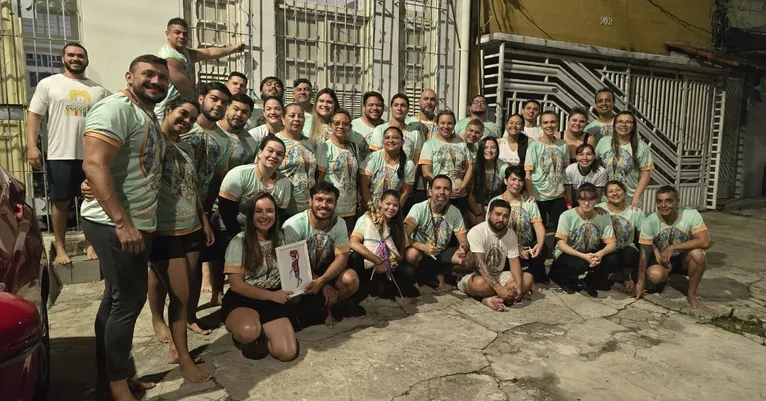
(464, 36)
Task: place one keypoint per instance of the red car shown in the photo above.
(24, 339)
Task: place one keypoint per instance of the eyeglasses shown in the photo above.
(479, 102)
(341, 124)
(588, 201)
(624, 123)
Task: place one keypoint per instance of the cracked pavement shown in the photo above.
(449, 347)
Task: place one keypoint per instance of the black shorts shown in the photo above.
(176, 246)
(64, 179)
(217, 251)
(267, 310)
(676, 263)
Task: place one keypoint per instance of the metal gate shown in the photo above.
(389, 46)
(679, 106)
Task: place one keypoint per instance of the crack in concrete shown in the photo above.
(473, 372)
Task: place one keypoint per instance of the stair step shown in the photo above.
(81, 270)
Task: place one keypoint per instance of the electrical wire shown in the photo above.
(676, 18)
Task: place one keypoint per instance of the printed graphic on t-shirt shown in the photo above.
(437, 230)
(585, 238)
(83, 101)
(669, 236)
(321, 249)
(622, 231)
(452, 161)
(619, 168)
(521, 224)
(150, 158)
(550, 165)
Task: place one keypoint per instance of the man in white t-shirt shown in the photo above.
(491, 243)
(66, 99)
(530, 110)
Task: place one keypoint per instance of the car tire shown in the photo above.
(44, 352)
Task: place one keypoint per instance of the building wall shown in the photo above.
(117, 34)
(627, 24)
(754, 149)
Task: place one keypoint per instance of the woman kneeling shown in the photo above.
(254, 306)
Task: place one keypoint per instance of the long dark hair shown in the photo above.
(596, 163)
(633, 138)
(402, 156)
(252, 254)
(479, 172)
(523, 138)
(396, 224)
(317, 122)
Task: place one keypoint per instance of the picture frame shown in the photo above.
(294, 267)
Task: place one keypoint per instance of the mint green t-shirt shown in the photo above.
(341, 169)
(167, 52)
(211, 151)
(584, 235)
(523, 217)
(414, 135)
(599, 129)
(432, 228)
(322, 245)
(266, 276)
(137, 167)
(450, 158)
(622, 168)
(361, 134)
(243, 148)
(546, 164)
(384, 175)
(242, 182)
(299, 166)
(177, 212)
(655, 231)
(490, 128)
(625, 223)
(431, 129)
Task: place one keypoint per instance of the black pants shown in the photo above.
(627, 260)
(536, 266)
(125, 281)
(551, 210)
(566, 270)
(404, 276)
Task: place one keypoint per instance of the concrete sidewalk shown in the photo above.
(450, 347)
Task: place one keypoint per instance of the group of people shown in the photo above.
(188, 180)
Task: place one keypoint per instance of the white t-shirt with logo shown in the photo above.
(495, 249)
(573, 177)
(66, 101)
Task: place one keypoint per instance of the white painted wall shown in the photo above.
(116, 33)
(755, 149)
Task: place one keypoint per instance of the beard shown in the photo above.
(140, 92)
(479, 113)
(210, 117)
(235, 124)
(497, 226)
(75, 69)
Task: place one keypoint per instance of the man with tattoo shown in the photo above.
(491, 243)
(673, 241)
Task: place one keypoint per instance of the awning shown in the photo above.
(715, 57)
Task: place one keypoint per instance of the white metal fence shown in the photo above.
(680, 108)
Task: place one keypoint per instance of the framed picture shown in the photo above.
(294, 267)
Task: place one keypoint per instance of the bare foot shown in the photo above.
(199, 330)
(694, 301)
(139, 387)
(161, 331)
(91, 253)
(61, 257)
(173, 356)
(207, 282)
(444, 287)
(330, 321)
(194, 374)
(494, 302)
